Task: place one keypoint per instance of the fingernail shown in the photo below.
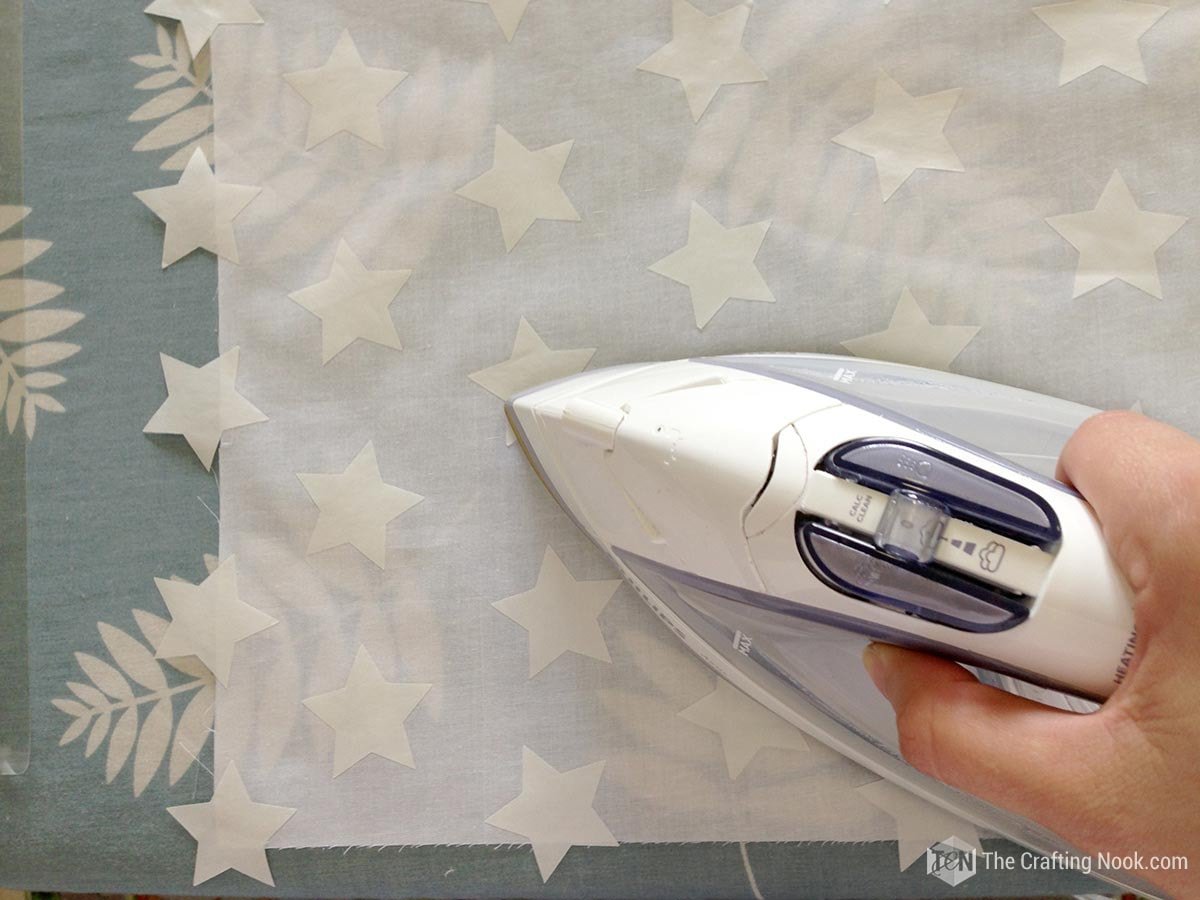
(875, 660)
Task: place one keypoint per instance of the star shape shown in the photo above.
(560, 614)
(208, 619)
(1099, 33)
(904, 133)
(344, 94)
(744, 726)
(705, 53)
(522, 186)
(367, 715)
(1117, 240)
(202, 403)
(919, 824)
(356, 506)
(717, 264)
(508, 13)
(231, 830)
(198, 211)
(200, 18)
(530, 364)
(554, 811)
(353, 303)
(911, 338)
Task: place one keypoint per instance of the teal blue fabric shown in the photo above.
(109, 509)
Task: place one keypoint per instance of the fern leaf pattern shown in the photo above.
(131, 703)
(25, 326)
(182, 107)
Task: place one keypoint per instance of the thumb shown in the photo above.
(1002, 748)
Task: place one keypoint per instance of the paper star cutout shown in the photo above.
(202, 403)
(919, 824)
(911, 338)
(904, 134)
(231, 830)
(1100, 33)
(200, 18)
(705, 53)
(367, 715)
(344, 94)
(353, 303)
(198, 211)
(560, 614)
(522, 186)
(531, 363)
(356, 507)
(208, 619)
(744, 726)
(717, 264)
(554, 811)
(1117, 240)
(508, 13)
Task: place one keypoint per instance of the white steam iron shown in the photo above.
(778, 511)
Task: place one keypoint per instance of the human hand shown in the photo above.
(1126, 778)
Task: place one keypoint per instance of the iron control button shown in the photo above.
(968, 493)
(855, 567)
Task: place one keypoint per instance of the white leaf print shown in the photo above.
(152, 744)
(42, 380)
(37, 325)
(202, 65)
(157, 81)
(121, 743)
(182, 126)
(134, 659)
(11, 215)
(98, 733)
(150, 61)
(105, 677)
(194, 727)
(177, 160)
(74, 730)
(16, 253)
(22, 293)
(29, 327)
(153, 627)
(113, 703)
(43, 401)
(181, 123)
(165, 103)
(12, 408)
(163, 39)
(71, 707)
(44, 354)
(87, 694)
